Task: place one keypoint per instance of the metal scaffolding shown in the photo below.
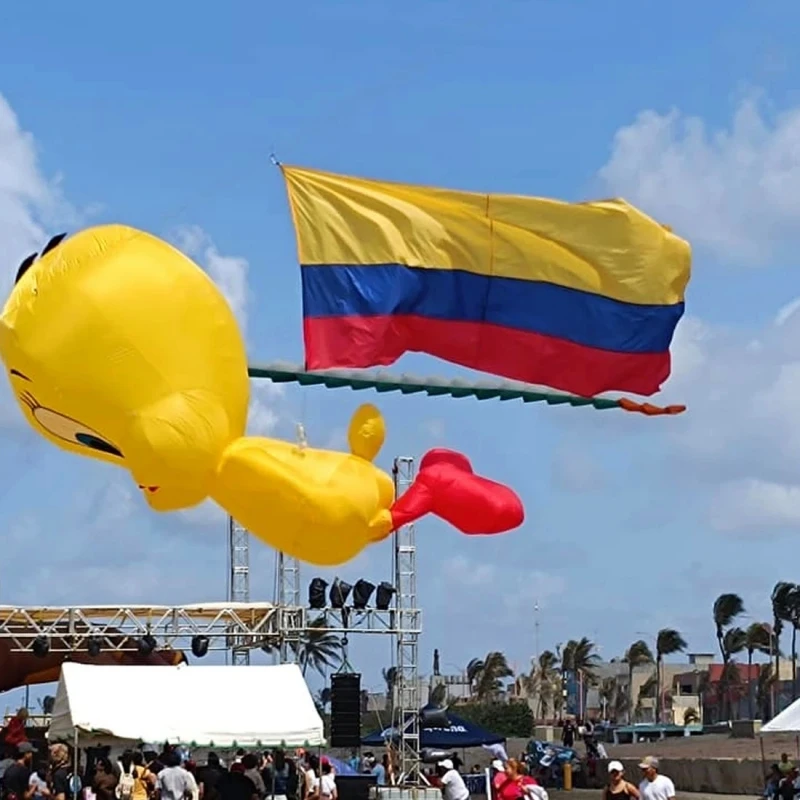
(121, 628)
(407, 635)
(238, 582)
(287, 585)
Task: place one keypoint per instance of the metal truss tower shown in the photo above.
(407, 635)
(287, 595)
(238, 582)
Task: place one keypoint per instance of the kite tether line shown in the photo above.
(280, 372)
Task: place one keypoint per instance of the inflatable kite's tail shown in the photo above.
(447, 487)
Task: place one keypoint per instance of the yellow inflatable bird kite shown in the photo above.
(119, 347)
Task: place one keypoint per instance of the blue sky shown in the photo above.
(164, 117)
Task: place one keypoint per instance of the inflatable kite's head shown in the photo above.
(118, 347)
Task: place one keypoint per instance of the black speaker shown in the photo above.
(346, 710)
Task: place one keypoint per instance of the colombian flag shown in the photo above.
(580, 297)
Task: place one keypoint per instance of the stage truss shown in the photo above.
(403, 622)
(121, 628)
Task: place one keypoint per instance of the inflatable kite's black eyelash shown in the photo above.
(25, 266)
(54, 242)
(27, 263)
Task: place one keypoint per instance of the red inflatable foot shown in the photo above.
(447, 486)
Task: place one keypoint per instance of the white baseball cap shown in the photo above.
(615, 766)
(498, 765)
(446, 764)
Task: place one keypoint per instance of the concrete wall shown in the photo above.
(716, 775)
(710, 775)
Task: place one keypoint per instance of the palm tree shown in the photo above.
(648, 689)
(437, 695)
(622, 708)
(542, 683)
(783, 602)
(580, 657)
(637, 655)
(668, 641)
(608, 696)
(488, 676)
(322, 699)
(390, 678)
(764, 693)
(758, 638)
(792, 607)
(726, 608)
(474, 669)
(318, 647)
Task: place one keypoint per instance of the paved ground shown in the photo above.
(721, 746)
(595, 794)
(716, 746)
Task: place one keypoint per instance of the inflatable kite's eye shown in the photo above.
(70, 430)
(96, 443)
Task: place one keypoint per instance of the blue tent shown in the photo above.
(461, 733)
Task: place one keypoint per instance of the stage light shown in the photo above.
(41, 646)
(146, 645)
(316, 593)
(199, 646)
(339, 593)
(94, 644)
(434, 718)
(383, 599)
(433, 755)
(362, 592)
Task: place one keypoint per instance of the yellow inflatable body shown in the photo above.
(120, 348)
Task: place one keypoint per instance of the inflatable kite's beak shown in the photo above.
(173, 449)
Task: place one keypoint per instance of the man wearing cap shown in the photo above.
(653, 785)
(453, 786)
(16, 780)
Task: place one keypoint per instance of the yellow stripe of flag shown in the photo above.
(606, 247)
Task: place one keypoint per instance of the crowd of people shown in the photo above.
(169, 775)
(783, 780)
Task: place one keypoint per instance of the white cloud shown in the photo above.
(741, 387)
(465, 572)
(29, 202)
(230, 274)
(735, 191)
(30, 205)
(514, 590)
(755, 506)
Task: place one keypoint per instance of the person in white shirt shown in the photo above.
(453, 786)
(653, 785)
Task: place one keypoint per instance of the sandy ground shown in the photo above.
(721, 746)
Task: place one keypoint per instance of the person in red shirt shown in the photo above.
(510, 784)
(14, 733)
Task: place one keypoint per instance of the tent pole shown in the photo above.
(75, 763)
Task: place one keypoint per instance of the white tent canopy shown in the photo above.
(192, 705)
(788, 721)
